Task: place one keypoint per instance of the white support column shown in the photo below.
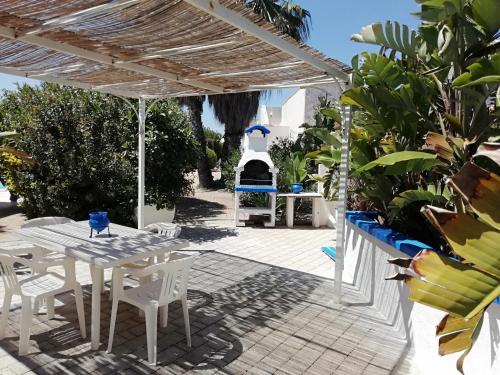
(343, 181)
(142, 163)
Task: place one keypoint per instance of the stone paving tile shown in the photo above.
(258, 305)
(264, 322)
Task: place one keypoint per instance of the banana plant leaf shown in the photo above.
(456, 288)
(378, 70)
(401, 162)
(485, 12)
(458, 334)
(325, 136)
(328, 156)
(332, 113)
(481, 189)
(411, 196)
(448, 285)
(486, 70)
(490, 150)
(393, 35)
(438, 143)
(471, 239)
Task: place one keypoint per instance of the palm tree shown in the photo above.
(236, 111)
(288, 17)
(195, 106)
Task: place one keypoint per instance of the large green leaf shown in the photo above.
(486, 70)
(378, 69)
(411, 196)
(481, 189)
(438, 143)
(327, 155)
(458, 334)
(332, 113)
(296, 168)
(471, 239)
(325, 136)
(401, 162)
(486, 13)
(448, 285)
(393, 35)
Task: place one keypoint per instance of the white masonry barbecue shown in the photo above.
(255, 173)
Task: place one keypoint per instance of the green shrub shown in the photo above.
(228, 173)
(212, 158)
(214, 141)
(83, 148)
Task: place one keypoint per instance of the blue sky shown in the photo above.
(333, 23)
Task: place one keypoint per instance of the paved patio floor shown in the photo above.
(258, 303)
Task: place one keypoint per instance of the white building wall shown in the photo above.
(332, 92)
(299, 108)
(293, 113)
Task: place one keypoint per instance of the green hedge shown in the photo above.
(83, 152)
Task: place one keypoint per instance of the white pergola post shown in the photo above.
(341, 209)
(141, 163)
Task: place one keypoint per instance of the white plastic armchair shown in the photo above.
(39, 254)
(171, 286)
(32, 290)
(164, 229)
(46, 220)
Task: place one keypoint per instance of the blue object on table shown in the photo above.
(297, 188)
(331, 252)
(98, 221)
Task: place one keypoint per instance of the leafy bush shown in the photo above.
(214, 141)
(83, 152)
(295, 167)
(212, 158)
(228, 173)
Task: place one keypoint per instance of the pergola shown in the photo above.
(150, 49)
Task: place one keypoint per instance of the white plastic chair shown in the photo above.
(42, 257)
(39, 254)
(45, 285)
(171, 286)
(164, 229)
(46, 220)
(169, 230)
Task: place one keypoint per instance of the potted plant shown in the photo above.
(296, 171)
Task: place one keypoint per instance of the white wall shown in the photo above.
(293, 112)
(366, 268)
(278, 132)
(331, 91)
(299, 108)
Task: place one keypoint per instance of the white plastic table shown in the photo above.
(290, 203)
(125, 245)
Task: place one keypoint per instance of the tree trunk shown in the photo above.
(232, 141)
(205, 177)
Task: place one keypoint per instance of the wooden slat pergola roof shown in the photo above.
(155, 48)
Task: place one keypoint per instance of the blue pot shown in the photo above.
(98, 220)
(297, 188)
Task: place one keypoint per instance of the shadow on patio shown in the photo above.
(230, 300)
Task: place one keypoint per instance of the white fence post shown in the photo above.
(341, 209)
(142, 163)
